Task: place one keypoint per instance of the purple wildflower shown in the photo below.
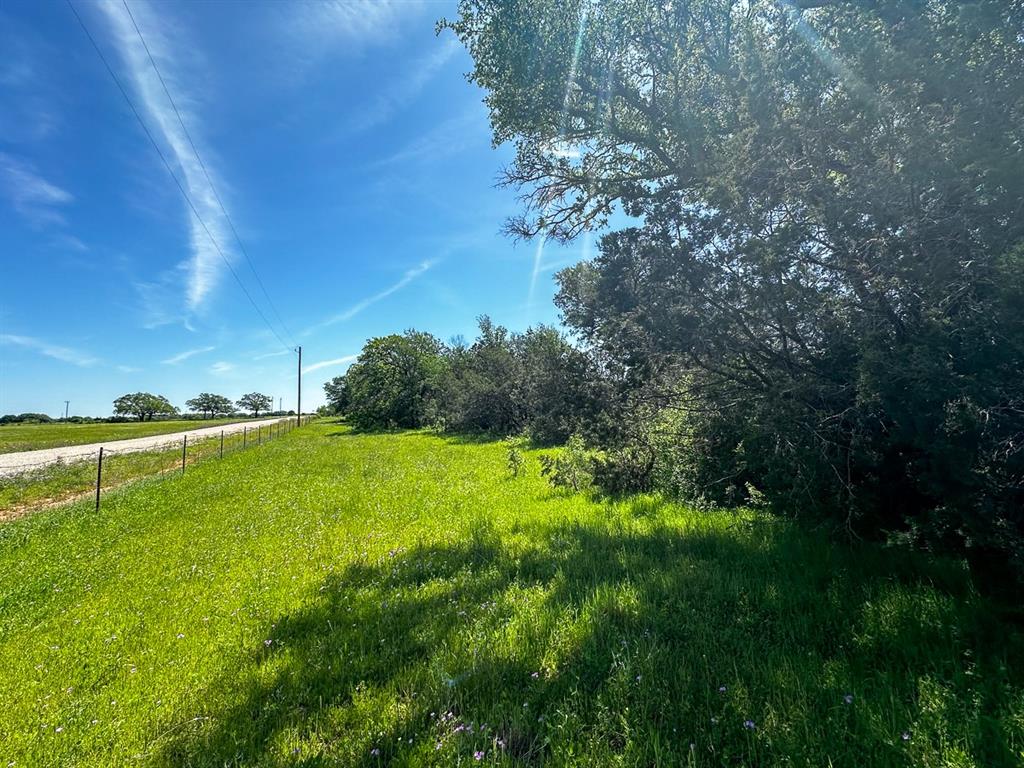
(721, 689)
(478, 755)
(749, 725)
(848, 698)
(375, 752)
(535, 675)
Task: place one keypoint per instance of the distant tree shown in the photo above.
(25, 418)
(337, 395)
(255, 402)
(209, 405)
(394, 381)
(143, 405)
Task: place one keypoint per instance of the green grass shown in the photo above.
(332, 594)
(31, 437)
(62, 481)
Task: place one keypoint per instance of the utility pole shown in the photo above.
(299, 409)
(67, 404)
(279, 400)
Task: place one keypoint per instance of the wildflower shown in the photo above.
(58, 729)
(721, 689)
(375, 752)
(478, 755)
(180, 635)
(905, 736)
(848, 698)
(749, 725)
(535, 675)
(500, 743)
(437, 746)
(267, 642)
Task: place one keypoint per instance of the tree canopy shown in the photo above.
(254, 402)
(210, 405)
(143, 405)
(818, 294)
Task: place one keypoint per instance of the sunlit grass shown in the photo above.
(340, 599)
(31, 437)
(62, 481)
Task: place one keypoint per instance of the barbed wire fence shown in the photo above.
(36, 484)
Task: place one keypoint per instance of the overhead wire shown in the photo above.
(167, 165)
(206, 173)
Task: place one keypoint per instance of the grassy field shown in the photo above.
(62, 481)
(31, 437)
(360, 600)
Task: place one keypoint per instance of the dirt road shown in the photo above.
(15, 463)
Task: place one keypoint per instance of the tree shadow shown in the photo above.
(612, 645)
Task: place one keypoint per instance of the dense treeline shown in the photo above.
(819, 303)
(503, 383)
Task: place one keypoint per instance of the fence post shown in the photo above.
(243, 435)
(259, 435)
(222, 443)
(184, 445)
(99, 478)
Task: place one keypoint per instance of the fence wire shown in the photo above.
(66, 478)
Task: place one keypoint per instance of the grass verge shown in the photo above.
(361, 600)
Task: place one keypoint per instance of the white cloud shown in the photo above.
(204, 267)
(220, 368)
(359, 306)
(64, 354)
(278, 353)
(403, 91)
(329, 363)
(182, 356)
(128, 369)
(356, 23)
(32, 196)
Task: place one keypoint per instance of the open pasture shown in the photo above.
(32, 437)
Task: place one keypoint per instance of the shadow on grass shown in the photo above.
(596, 644)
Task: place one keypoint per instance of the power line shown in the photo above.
(177, 183)
(206, 173)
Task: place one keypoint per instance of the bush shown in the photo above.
(571, 468)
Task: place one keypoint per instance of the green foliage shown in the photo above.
(570, 468)
(515, 447)
(337, 396)
(25, 418)
(143, 406)
(254, 402)
(210, 405)
(825, 270)
(393, 382)
(321, 597)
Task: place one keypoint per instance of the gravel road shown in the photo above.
(15, 463)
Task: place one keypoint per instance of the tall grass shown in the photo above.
(361, 600)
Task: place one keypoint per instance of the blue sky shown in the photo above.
(348, 148)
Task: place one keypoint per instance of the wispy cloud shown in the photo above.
(204, 268)
(33, 197)
(359, 306)
(64, 354)
(405, 90)
(128, 369)
(447, 138)
(278, 353)
(183, 356)
(221, 368)
(329, 363)
(354, 22)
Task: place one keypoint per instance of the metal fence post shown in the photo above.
(259, 435)
(222, 443)
(244, 429)
(184, 445)
(99, 478)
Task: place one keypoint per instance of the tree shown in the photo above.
(826, 262)
(210, 405)
(337, 395)
(143, 405)
(394, 380)
(255, 402)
